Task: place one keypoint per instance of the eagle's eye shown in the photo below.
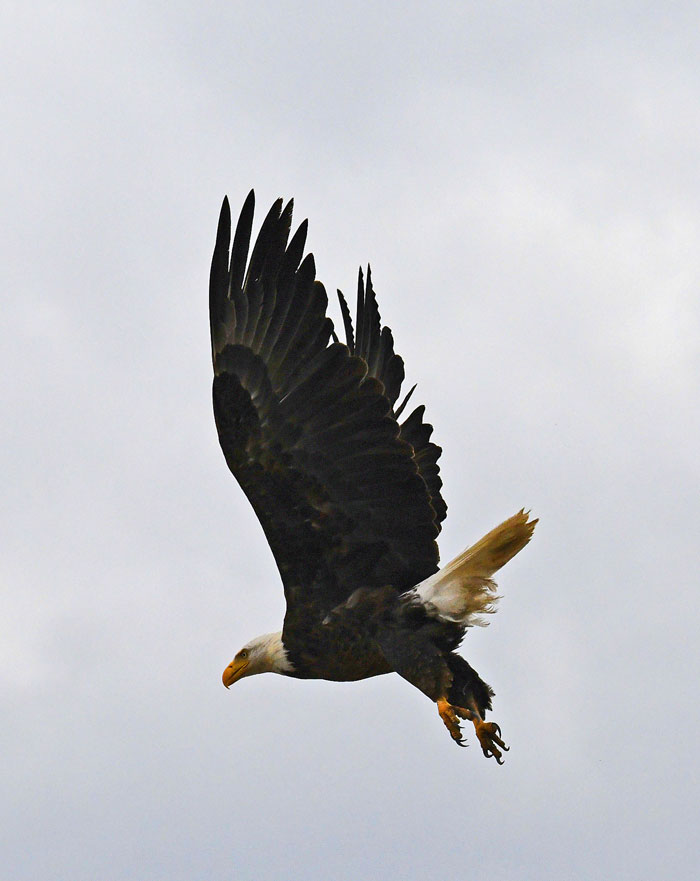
(243, 654)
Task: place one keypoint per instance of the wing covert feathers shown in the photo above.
(346, 496)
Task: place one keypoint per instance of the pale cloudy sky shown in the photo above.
(523, 178)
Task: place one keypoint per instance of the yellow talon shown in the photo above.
(449, 717)
(488, 733)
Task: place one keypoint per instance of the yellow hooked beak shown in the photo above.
(234, 671)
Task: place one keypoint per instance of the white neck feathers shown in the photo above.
(272, 653)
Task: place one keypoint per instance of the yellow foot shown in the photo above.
(449, 717)
(489, 734)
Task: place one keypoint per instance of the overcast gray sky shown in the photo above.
(523, 178)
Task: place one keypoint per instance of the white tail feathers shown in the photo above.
(463, 590)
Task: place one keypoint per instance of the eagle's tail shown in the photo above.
(463, 590)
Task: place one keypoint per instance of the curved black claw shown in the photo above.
(489, 734)
(449, 717)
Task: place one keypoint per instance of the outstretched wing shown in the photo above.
(308, 430)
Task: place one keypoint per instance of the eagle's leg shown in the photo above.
(488, 733)
(448, 714)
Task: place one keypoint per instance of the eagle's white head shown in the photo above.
(264, 654)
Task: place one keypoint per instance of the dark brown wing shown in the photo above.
(308, 434)
(375, 344)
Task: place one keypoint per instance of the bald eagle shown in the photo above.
(346, 488)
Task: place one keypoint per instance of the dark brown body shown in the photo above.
(380, 631)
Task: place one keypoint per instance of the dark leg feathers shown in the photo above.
(467, 687)
(469, 697)
(447, 679)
